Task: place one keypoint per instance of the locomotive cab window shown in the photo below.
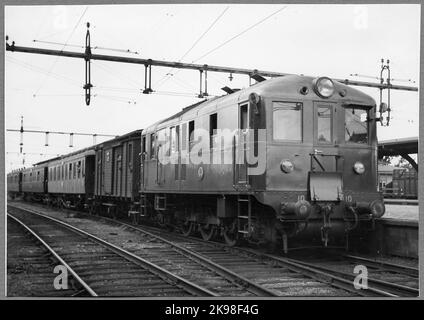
(356, 125)
(324, 124)
(243, 117)
(287, 121)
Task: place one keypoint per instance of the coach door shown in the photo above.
(240, 145)
(107, 171)
(117, 171)
(46, 180)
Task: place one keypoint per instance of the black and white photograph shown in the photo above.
(211, 151)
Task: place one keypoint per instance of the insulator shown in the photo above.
(47, 140)
(71, 140)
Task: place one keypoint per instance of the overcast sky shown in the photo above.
(317, 40)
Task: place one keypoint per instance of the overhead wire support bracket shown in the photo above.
(385, 67)
(87, 58)
(148, 77)
(258, 75)
(202, 93)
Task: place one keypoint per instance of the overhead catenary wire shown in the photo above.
(35, 68)
(80, 46)
(57, 58)
(193, 46)
(239, 34)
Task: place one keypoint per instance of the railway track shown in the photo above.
(392, 279)
(182, 255)
(384, 279)
(30, 265)
(101, 267)
(252, 269)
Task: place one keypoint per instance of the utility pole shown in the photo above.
(257, 75)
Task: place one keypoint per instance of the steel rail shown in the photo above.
(222, 271)
(55, 254)
(312, 270)
(380, 286)
(318, 275)
(411, 271)
(190, 287)
(181, 65)
(295, 266)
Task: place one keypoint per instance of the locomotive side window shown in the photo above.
(152, 146)
(356, 125)
(324, 125)
(213, 125)
(287, 121)
(190, 134)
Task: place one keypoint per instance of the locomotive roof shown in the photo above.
(286, 86)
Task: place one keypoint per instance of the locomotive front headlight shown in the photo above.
(286, 166)
(324, 87)
(359, 167)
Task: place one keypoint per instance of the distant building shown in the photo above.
(385, 175)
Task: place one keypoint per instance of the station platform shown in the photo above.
(401, 212)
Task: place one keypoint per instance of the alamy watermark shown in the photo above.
(361, 280)
(224, 147)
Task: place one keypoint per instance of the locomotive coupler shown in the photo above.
(351, 226)
(326, 211)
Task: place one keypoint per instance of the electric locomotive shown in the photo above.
(292, 157)
(313, 175)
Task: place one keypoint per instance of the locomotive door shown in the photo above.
(240, 165)
(142, 160)
(325, 156)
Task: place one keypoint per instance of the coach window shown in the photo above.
(325, 124)
(70, 171)
(356, 125)
(143, 146)
(130, 155)
(287, 121)
(75, 170)
(83, 168)
(79, 169)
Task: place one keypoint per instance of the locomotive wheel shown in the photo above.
(231, 235)
(208, 232)
(187, 228)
